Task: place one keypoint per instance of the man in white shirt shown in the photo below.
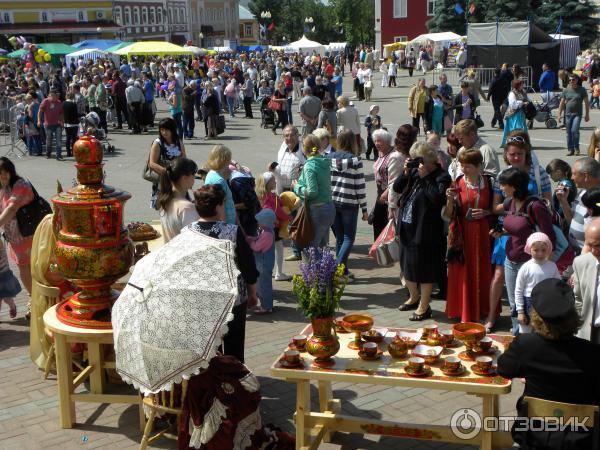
(466, 133)
(586, 285)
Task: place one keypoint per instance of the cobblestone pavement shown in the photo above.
(28, 403)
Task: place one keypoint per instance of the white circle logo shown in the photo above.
(465, 423)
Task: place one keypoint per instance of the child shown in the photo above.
(9, 285)
(265, 185)
(595, 103)
(392, 72)
(560, 172)
(594, 147)
(264, 254)
(538, 268)
(372, 123)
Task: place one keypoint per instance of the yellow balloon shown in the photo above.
(38, 58)
(47, 57)
(40, 52)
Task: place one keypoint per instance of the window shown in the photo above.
(400, 9)
(117, 15)
(153, 15)
(44, 17)
(136, 15)
(400, 38)
(159, 15)
(145, 15)
(430, 7)
(6, 17)
(182, 15)
(170, 15)
(248, 30)
(127, 15)
(177, 19)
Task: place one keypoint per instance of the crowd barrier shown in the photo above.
(11, 143)
(484, 75)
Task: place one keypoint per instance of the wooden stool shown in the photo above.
(64, 335)
(52, 297)
(159, 403)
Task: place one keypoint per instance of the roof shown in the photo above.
(509, 34)
(245, 13)
(153, 48)
(58, 28)
(97, 43)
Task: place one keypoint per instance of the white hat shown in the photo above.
(267, 176)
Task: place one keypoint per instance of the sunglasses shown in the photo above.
(519, 139)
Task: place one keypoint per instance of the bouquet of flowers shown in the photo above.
(321, 285)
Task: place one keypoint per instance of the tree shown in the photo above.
(508, 10)
(578, 18)
(446, 18)
(357, 19)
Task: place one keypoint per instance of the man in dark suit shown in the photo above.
(556, 365)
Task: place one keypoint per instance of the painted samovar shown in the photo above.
(93, 248)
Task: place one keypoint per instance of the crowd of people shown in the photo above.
(462, 222)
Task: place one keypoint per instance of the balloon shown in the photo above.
(47, 57)
(13, 41)
(38, 59)
(27, 45)
(28, 65)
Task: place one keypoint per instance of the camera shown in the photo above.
(414, 163)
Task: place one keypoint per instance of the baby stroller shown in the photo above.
(90, 123)
(544, 110)
(267, 115)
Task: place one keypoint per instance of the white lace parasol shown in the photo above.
(169, 319)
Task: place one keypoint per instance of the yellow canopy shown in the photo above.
(153, 48)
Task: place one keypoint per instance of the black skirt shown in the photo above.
(420, 263)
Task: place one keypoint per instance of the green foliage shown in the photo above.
(446, 19)
(313, 302)
(508, 10)
(579, 19)
(357, 18)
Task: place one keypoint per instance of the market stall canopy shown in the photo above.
(52, 49)
(443, 38)
(388, 49)
(152, 48)
(114, 48)
(101, 44)
(17, 54)
(569, 49)
(195, 50)
(336, 46)
(88, 53)
(173, 312)
(305, 45)
(222, 49)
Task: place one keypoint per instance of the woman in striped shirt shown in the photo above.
(348, 193)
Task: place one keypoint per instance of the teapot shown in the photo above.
(435, 338)
(398, 348)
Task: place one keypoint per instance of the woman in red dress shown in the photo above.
(469, 202)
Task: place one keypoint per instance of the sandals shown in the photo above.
(406, 306)
(419, 317)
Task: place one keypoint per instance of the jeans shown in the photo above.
(572, 122)
(511, 269)
(188, 124)
(344, 229)
(322, 217)
(177, 117)
(121, 112)
(264, 264)
(230, 105)
(289, 111)
(56, 131)
(70, 138)
(34, 144)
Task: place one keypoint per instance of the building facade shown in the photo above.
(216, 21)
(141, 19)
(58, 21)
(401, 20)
(249, 27)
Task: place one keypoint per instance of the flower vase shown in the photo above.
(323, 343)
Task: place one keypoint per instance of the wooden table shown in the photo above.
(314, 427)
(64, 335)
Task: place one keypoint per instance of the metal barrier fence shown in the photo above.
(483, 74)
(11, 142)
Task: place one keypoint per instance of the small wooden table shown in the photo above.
(64, 335)
(314, 427)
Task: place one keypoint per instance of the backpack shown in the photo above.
(561, 243)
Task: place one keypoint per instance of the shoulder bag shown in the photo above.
(29, 216)
(275, 106)
(150, 175)
(301, 228)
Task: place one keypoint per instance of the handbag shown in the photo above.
(150, 175)
(455, 241)
(275, 106)
(478, 121)
(530, 111)
(368, 84)
(221, 124)
(386, 250)
(29, 216)
(301, 228)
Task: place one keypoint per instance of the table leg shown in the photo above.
(64, 373)
(325, 396)
(302, 407)
(97, 374)
(488, 410)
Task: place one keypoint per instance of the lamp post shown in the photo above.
(308, 22)
(265, 18)
(200, 37)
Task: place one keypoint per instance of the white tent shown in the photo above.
(195, 50)
(222, 49)
(88, 53)
(569, 49)
(336, 46)
(443, 39)
(305, 45)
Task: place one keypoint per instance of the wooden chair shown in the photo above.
(537, 407)
(52, 297)
(163, 402)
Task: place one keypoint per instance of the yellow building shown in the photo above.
(58, 21)
(249, 28)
